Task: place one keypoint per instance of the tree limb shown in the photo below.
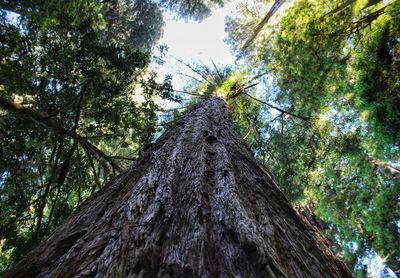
(241, 90)
(340, 8)
(60, 181)
(278, 109)
(25, 113)
(195, 71)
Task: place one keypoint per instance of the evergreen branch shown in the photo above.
(43, 200)
(339, 8)
(192, 77)
(217, 70)
(347, 3)
(360, 24)
(64, 169)
(258, 76)
(25, 113)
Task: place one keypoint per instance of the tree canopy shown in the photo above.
(71, 115)
(316, 97)
(336, 64)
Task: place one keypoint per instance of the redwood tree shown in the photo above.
(196, 204)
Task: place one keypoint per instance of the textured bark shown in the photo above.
(275, 7)
(196, 204)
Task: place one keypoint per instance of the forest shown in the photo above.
(314, 92)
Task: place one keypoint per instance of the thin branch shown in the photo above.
(105, 136)
(241, 90)
(189, 93)
(361, 23)
(43, 200)
(347, 3)
(75, 98)
(78, 112)
(122, 157)
(192, 77)
(96, 177)
(339, 8)
(384, 168)
(278, 109)
(248, 132)
(217, 70)
(60, 181)
(258, 76)
(67, 105)
(195, 71)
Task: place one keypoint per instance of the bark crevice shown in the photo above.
(196, 204)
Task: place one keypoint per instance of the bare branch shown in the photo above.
(278, 109)
(195, 71)
(241, 90)
(216, 69)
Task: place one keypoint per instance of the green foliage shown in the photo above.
(336, 63)
(195, 9)
(137, 23)
(377, 86)
(325, 119)
(76, 75)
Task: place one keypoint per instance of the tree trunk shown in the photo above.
(196, 204)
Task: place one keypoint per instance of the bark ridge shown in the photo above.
(196, 204)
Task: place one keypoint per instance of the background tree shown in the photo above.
(329, 63)
(195, 9)
(316, 99)
(136, 23)
(70, 117)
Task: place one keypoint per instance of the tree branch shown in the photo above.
(60, 181)
(241, 90)
(195, 71)
(189, 93)
(339, 8)
(278, 109)
(25, 113)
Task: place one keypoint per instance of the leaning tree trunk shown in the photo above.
(196, 204)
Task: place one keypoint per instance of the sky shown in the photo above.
(204, 42)
(196, 42)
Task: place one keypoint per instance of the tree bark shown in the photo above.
(275, 7)
(196, 204)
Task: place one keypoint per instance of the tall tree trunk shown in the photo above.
(196, 204)
(275, 7)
